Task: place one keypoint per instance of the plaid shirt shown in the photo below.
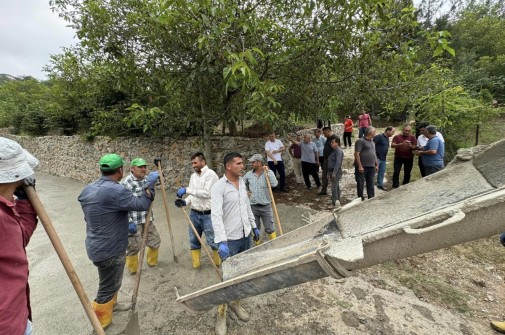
(136, 186)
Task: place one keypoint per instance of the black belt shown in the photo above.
(260, 205)
(207, 212)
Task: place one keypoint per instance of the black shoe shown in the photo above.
(382, 188)
(322, 193)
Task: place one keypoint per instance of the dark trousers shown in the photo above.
(321, 162)
(407, 169)
(279, 168)
(110, 274)
(421, 166)
(324, 176)
(310, 169)
(362, 132)
(432, 169)
(367, 176)
(347, 139)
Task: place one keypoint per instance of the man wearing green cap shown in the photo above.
(136, 182)
(106, 203)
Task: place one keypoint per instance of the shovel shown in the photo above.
(62, 254)
(157, 162)
(273, 202)
(132, 327)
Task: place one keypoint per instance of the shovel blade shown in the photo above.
(133, 328)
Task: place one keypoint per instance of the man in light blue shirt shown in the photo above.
(319, 141)
(433, 152)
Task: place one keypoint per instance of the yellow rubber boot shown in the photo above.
(132, 263)
(499, 326)
(195, 258)
(216, 258)
(272, 236)
(220, 327)
(256, 243)
(103, 312)
(152, 257)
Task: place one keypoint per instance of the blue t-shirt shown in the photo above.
(381, 146)
(434, 160)
(106, 204)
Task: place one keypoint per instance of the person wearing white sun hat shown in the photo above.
(18, 221)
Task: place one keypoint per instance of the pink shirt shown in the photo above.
(17, 224)
(364, 120)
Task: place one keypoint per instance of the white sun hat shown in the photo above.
(15, 162)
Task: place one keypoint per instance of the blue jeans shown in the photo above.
(432, 169)
(381, 172)
(202, 223)
(238, 246)
(279, 168)
(110, 273)
(368, 177)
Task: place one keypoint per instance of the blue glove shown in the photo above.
(181, 192)
(20, 191)
(502, 239)
(132, 228)
(152, 178)
(180, 202)
(256, 233)
(223, 251)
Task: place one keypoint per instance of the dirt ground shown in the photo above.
(451, 291)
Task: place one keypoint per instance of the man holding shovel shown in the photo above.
(200, 183)
(136, 182)
(233, 222)
(106, 204)
(260, 196)
(18, 221)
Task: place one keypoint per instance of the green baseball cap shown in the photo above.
(138, 162)
(110, 162)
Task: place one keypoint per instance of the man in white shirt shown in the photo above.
(273, 150)
(233, 222)
(200, 183)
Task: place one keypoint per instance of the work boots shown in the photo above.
(195, 258)
(216, 258)
(103, 312)
(221, 320)
(120, 307)
(152, 256)
(132, 263)
(241, 313)
(272, 236)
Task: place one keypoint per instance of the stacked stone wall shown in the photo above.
(75, 157)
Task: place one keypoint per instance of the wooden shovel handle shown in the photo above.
(274, 206)
(65, 260)
(167, 214)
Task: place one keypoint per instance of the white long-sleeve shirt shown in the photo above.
(199, 189)
(231, 214)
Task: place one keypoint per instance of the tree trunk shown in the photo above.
(206, 131)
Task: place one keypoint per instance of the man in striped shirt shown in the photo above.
(136, 182)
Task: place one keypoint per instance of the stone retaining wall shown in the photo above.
(77, 158)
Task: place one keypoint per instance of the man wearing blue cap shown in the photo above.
(136, 182)
(106, 204)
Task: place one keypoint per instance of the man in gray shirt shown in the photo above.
(309, 159)
(365, 163)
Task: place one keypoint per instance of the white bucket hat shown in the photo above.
(15, 162)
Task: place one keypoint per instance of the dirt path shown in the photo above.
(365, 304)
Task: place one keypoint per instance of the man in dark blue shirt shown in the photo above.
(106, 204)
(381, 150)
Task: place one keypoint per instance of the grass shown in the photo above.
(424, 285)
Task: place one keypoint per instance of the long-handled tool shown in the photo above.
(273, 203)
(133, 328)
(62, 254)
(157, 162)
(203, 245)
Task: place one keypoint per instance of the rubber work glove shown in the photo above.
(502, 239)
(152, 177)
(180, 202)
(181, 192)
(132, 228)
(223, 250)
(20, 191)
(256, 233)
